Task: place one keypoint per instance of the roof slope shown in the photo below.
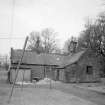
(70, 59)
(45, 59)
(34, 58)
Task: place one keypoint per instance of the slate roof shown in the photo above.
(34, 58)
(70, 59)
(45, 59)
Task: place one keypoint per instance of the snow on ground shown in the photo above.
(24, 83)
(46, 81)
(98, 89)
(40, 82)
(92, 86)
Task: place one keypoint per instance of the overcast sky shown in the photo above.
(67, 17)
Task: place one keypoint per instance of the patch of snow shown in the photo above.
(93, 86)
(47, 81)
(41, 82)
(98, 89)
(24, 83)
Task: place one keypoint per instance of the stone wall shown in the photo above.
(77, 72)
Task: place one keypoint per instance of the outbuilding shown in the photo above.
(83, 66)
(34, 66)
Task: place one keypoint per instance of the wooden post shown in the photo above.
(9, 68)
(50, 78)
(23, 79)
(17, 69)
(44, 71)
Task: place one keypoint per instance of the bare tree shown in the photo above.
(93, 36)
(43, 41)
(70, 45)
(35, 43)
(48, 39)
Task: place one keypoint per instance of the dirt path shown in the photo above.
(60, 94)
(39, 96)
(96, 97)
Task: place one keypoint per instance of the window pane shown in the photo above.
(89, 70)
